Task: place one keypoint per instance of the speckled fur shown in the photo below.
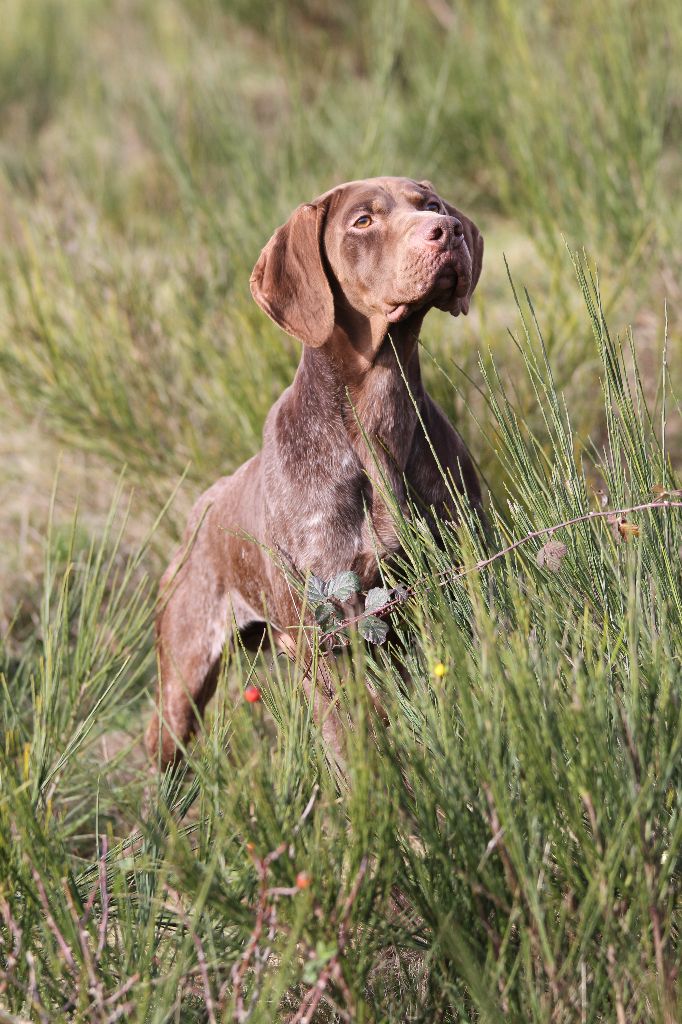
(357, 299)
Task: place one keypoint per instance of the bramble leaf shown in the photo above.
(551, 555)
(373, 629)
(377, 597)
(343, 586)
(316, 590)
(325, 612)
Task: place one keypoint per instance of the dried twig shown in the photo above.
(61, 941)
(9, 1018)
(33, 989)
(104, 895)
(240, 968)
(266, 914)
(443, 13)
(456, 574)
(617, 989)
(203, 969)
(332, 968)
(17, 934)
(95, 987)
(120, 992)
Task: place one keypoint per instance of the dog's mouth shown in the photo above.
(401, 311)
(446, 283)
(452, 273)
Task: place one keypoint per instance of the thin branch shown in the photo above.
(61, 941)
(455, 574)
(120, 992)
(332, 969)
(105, 899)
(209, 1002)
(262, 916)
(33, 989)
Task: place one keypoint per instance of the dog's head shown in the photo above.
(390, 246)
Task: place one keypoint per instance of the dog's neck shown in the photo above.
(367, 380)
(362, 351)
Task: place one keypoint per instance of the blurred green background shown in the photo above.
(148, 150)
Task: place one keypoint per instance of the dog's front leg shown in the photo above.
(319, 688)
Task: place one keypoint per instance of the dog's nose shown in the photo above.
(447, 231)
(435, 232)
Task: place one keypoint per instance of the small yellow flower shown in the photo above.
(439, 669)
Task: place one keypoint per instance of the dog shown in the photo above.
(351, 275)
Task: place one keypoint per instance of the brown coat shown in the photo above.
(352, 276)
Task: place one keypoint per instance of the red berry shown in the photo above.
(302, 880)
(252, 694)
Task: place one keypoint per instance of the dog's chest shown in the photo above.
(334, 464)
(325, 515)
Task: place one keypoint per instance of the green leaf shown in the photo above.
(316, 590)
(344, 585)
(324, 612)
(373, 629)
(377, 597)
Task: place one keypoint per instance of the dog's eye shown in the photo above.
(433, 205)
(363, 222)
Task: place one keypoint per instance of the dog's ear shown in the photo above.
(289, 280)
(474, 241)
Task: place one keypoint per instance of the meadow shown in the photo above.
(506, 846)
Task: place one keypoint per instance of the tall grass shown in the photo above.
(503, 841)
(505, 845)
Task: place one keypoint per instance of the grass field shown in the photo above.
(508, 847)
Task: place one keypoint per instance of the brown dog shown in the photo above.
(352, 276)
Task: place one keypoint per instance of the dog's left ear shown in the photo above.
(474, 242)
(289, 280)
